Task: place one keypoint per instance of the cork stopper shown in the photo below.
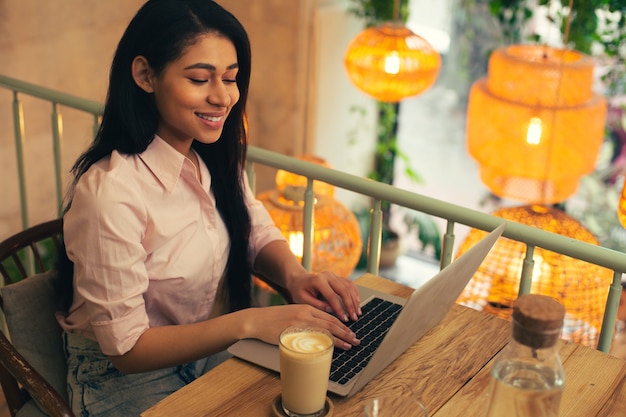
(537, 320)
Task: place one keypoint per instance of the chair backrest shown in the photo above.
(43, 241)
(33, 363)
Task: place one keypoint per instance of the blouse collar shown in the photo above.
(165, 162)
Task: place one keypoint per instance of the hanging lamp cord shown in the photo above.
(396, 10)
(558, 89)
(568, 22)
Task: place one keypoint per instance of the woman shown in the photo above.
(162, 229)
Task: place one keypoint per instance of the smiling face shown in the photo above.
(195, 93)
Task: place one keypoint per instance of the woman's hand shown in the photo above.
(327, 292)
(324, 291)
(267, 323)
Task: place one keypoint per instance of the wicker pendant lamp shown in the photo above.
(534, 124)
(621, 208)
(580, 286)
(390, 63)
(535, 127)
(337, 239)
(616, 122)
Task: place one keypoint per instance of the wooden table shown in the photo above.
(447, 370)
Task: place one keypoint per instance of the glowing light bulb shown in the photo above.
(533, 135)
(296, 243)
(541, 270)
(392, 63)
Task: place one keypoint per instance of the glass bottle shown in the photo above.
(527, 377)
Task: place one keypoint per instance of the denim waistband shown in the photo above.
(79, 344)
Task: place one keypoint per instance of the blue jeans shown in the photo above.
(96, 388)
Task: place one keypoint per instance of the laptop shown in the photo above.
(411, 319)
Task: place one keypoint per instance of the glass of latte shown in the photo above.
(305, 356)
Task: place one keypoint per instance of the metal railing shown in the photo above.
(56, 99)
(378, 192)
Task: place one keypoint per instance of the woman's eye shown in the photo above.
(230, 81)
(197, 81)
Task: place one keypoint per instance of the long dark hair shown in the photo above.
(160, 31)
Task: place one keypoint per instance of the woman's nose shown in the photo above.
(218, 95)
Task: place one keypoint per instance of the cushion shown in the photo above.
(29, 307)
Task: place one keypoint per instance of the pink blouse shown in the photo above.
(148, 245)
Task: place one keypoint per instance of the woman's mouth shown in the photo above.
(213, 119)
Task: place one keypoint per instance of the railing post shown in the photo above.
(526, 277)
(57, 135)
(447, 246)
(610, 313)
(251, 176)
(18, 128)
(375, 237)
(307, 225)
(96, 125)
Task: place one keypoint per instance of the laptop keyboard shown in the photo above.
(378, 316)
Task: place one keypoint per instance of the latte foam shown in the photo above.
(306, 342)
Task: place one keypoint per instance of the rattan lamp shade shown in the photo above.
(290, 182)
(534, 124)
(389, 62)
(337, 241)
(580, 286)
(621, 208)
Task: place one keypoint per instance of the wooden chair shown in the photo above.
(27, 300)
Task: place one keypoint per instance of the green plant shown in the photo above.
(420, 224)
(376, 12)
(613, 40)
(512, 16)
(426, 230)
(387, 150)
(387, 153)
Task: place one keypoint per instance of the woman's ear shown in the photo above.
(142, 73)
